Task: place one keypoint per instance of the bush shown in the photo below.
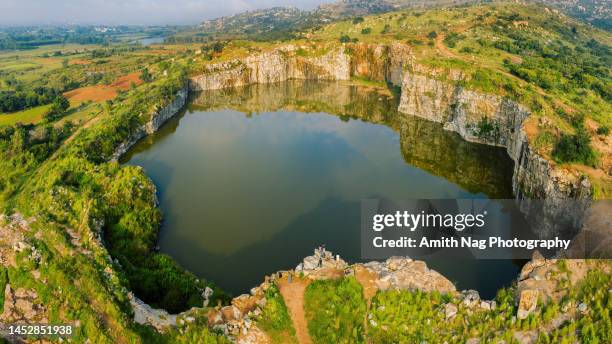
(345, 39)
(575, 148)
(603, 131)
(432, 35)
(488, 129)
(452, 38)
(366, 31)
(386, 29)
(358, 20)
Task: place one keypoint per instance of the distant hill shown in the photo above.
(596, 12)
(278, 21)
(284, 22)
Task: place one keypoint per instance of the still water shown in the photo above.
(250, 180)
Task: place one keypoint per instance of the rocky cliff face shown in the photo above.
(158, 118)
(275, 66)
(494, 120)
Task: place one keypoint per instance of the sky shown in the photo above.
(28, 12)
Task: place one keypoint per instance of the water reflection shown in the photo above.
(255, 177)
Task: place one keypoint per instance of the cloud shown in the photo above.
(28, 12)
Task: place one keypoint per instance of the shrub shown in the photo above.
(366, 31)
(487, 129)
(358, 20)
(345, 39)
(386, 29)
(603, 130)
(452, 38)
(575, 148)
(432, 35)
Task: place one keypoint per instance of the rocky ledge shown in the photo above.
(540, 281)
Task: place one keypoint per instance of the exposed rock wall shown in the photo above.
(275, 66)
(157, 119)
(494, 120)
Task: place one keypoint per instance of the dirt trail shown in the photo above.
(367, 279)
(293, 293)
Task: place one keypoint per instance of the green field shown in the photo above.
(30, 116)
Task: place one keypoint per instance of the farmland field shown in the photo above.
(30, 116)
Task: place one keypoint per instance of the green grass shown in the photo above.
(30, 116)
(275, 319)
(335, 310)
(82, 113)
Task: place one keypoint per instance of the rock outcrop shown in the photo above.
(144, 314)
(22, 306)
(275, 66)
(158, 118)
(402, 273)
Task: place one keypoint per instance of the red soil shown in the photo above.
(100, 93)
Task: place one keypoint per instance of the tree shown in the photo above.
(575, 148)
(58, 107)
(217, 47)
(146, 76)
(65, 63)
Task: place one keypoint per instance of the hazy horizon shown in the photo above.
(131, 12)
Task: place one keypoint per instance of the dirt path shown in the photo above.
(293, 293)
(367, 280)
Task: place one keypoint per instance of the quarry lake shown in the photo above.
(251, 180)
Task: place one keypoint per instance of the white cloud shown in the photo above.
(28, 12)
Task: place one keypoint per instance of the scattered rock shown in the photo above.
(21, 305)
(471, 298)
(246, 303)
(214, 317)
(450, 310)
(146, 315)
(407, 274)
(527, 303)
